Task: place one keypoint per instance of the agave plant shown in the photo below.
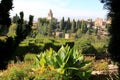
(67, 62)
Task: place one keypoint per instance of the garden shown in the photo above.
(50, 58)
(35, 53)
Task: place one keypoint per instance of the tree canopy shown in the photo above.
(5, 7)
(113, 6)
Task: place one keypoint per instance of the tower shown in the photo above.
(50, 15)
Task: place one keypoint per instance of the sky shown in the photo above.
(75, 9)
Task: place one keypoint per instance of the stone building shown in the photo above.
(67, 35)
(59, 34)
(98, 22)
(50, 15)
(108, 21)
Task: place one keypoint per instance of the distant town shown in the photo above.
(98, 24)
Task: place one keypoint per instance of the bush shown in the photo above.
(90, 44)
(68, 63)
(86, 47)
(19, 71)
(100, 65)
(29, 57)
(99, 46)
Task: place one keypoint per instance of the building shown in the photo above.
(50, 15)
(108, 21)
(67, 36)
(59, 34)
(98, 22)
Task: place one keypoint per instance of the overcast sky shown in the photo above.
(77, 9)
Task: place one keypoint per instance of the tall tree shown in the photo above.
(114, 13)
(50, 28)
(5, 7)
(73, 27)
(78, 24)
(5, 21)
(68, 25)
(62, 24)
(15, 18)
(8, 46)
(43, 24)
(83, 27)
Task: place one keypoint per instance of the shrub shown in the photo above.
(12, 30)
(86, 47)
(68, 63)
(19, 71)
(99, 46)
(100, 65)
(29, 57)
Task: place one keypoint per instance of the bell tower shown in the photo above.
(50, 15)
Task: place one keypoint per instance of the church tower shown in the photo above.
(50, 15)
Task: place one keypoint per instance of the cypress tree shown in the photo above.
(83, 27)
(5, 7)
(15, 18)
(5, 21)
(62, 24)
(73, 27)
(78, 25)
(8, 46)
(68, 25)
(114, 12)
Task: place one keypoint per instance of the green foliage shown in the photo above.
(42, 26)
(114, 29)
(21, 71)
(85, 44)
(101, 45)
(64, 65)
(23, 29)
(90, 44)
(5, 7)
(17, 33)
(27, 71)
(100, 65)
(29, 57)
(86, 47)
(79, 33)
(78, 24)
(42, 21)
(15, 18)
(12, 30)
(91, 30)
(5, 21)
(3, 30)
(84, 28)
(37, 45)
(67, 62)
(108, 26)
(46, 27)
(73, 27)
(51, 27)
(3, 39)
(62, 24)
(68, 25)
